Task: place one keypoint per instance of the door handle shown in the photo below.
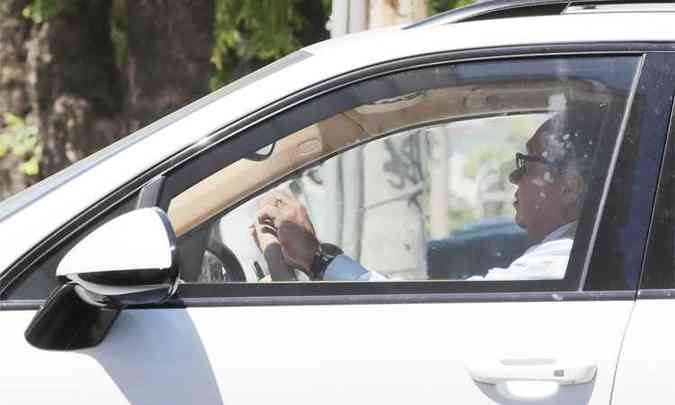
(547, 370)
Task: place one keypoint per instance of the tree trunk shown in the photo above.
(14, 33)
(77, 83)
(315, 16)
(170, 43)
(14, 94)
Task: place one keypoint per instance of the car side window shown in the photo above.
(472, 172)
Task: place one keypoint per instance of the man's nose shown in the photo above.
(515, 176)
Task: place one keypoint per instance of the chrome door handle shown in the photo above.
(548, 370)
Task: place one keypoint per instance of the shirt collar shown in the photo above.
(566, 230)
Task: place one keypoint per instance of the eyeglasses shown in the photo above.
(522, 160)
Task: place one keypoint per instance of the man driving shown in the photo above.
(551, 180)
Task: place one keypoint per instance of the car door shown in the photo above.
(646, 355)
(364, 158)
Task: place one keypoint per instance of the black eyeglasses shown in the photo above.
(523, 159)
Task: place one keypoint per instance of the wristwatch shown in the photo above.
(322, 258)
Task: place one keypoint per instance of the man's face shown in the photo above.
(539, 202)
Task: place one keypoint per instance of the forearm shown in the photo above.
(279, 270)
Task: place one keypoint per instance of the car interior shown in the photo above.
(496, 245)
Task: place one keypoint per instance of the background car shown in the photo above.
(103, 289)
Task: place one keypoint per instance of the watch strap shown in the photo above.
(322, 258)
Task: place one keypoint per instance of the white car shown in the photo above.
(131, 277)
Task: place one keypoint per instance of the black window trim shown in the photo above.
(656, 294)
(365, 299)
(655, 252)
(77, 224)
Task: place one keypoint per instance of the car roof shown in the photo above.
(494, 9)
(116, 165)
(516, 31)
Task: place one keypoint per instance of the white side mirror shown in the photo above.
(129, 260)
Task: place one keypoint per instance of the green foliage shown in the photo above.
(437, 6)
(41, 10)
(21, 138)
(248, 31)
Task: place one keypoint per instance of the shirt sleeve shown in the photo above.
(546, 261)
(344, 268)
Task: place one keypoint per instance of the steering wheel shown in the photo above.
(220, 264)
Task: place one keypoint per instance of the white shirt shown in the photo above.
(544, 261)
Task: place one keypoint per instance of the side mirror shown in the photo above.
(130, 260)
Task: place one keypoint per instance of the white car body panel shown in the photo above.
(647, 356)
(396, 354)
(100, 250)
(331, 58)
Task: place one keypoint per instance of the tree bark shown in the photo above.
(14, 33)
(170, 43)
(315, 16)
(14, 94)
(78, 87)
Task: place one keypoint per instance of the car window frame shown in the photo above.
(201, 291)
(84, 219)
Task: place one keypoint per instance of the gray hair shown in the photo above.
(570, 138)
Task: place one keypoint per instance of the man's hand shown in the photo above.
(265, 237)
(288, 218)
